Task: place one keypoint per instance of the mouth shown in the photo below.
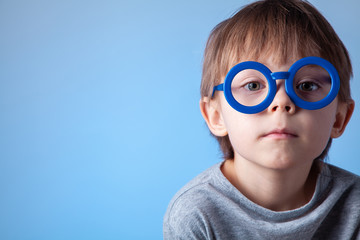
(280, 134)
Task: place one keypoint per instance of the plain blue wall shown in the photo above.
(99, 123)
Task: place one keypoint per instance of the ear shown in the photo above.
(210, 111)
(343, 115)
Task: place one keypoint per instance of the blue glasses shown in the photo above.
(250, 87)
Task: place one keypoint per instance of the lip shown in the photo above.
(280, 134)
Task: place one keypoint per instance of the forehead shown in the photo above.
(276, 58)
(272, 46)
(300, 68)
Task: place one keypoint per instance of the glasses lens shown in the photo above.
(249, 87)
(312, 83)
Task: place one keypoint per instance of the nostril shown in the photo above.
(286, 108)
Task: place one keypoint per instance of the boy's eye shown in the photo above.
(307, 86)
(253, 86)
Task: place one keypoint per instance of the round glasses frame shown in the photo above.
(271, 79)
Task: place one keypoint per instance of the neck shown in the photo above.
(274, 189)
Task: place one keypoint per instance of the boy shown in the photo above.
(274, 92)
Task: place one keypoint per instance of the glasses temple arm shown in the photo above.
(219, 87)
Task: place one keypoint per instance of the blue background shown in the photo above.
(100, 123)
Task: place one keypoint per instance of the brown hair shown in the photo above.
(278, 29)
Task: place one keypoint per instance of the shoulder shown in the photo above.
(347, 183)
(341, 203)
(191, 207)
(341, 177)
(195, 193)
(342, 188)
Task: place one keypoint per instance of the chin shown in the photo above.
(282, 162)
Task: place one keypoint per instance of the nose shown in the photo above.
(281, 101)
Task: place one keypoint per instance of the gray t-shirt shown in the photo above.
(210, 207)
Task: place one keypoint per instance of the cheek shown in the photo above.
(235, 122)
(242, 128)
(325, 119)
(318, 131)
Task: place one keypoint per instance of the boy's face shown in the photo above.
(281, 136)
